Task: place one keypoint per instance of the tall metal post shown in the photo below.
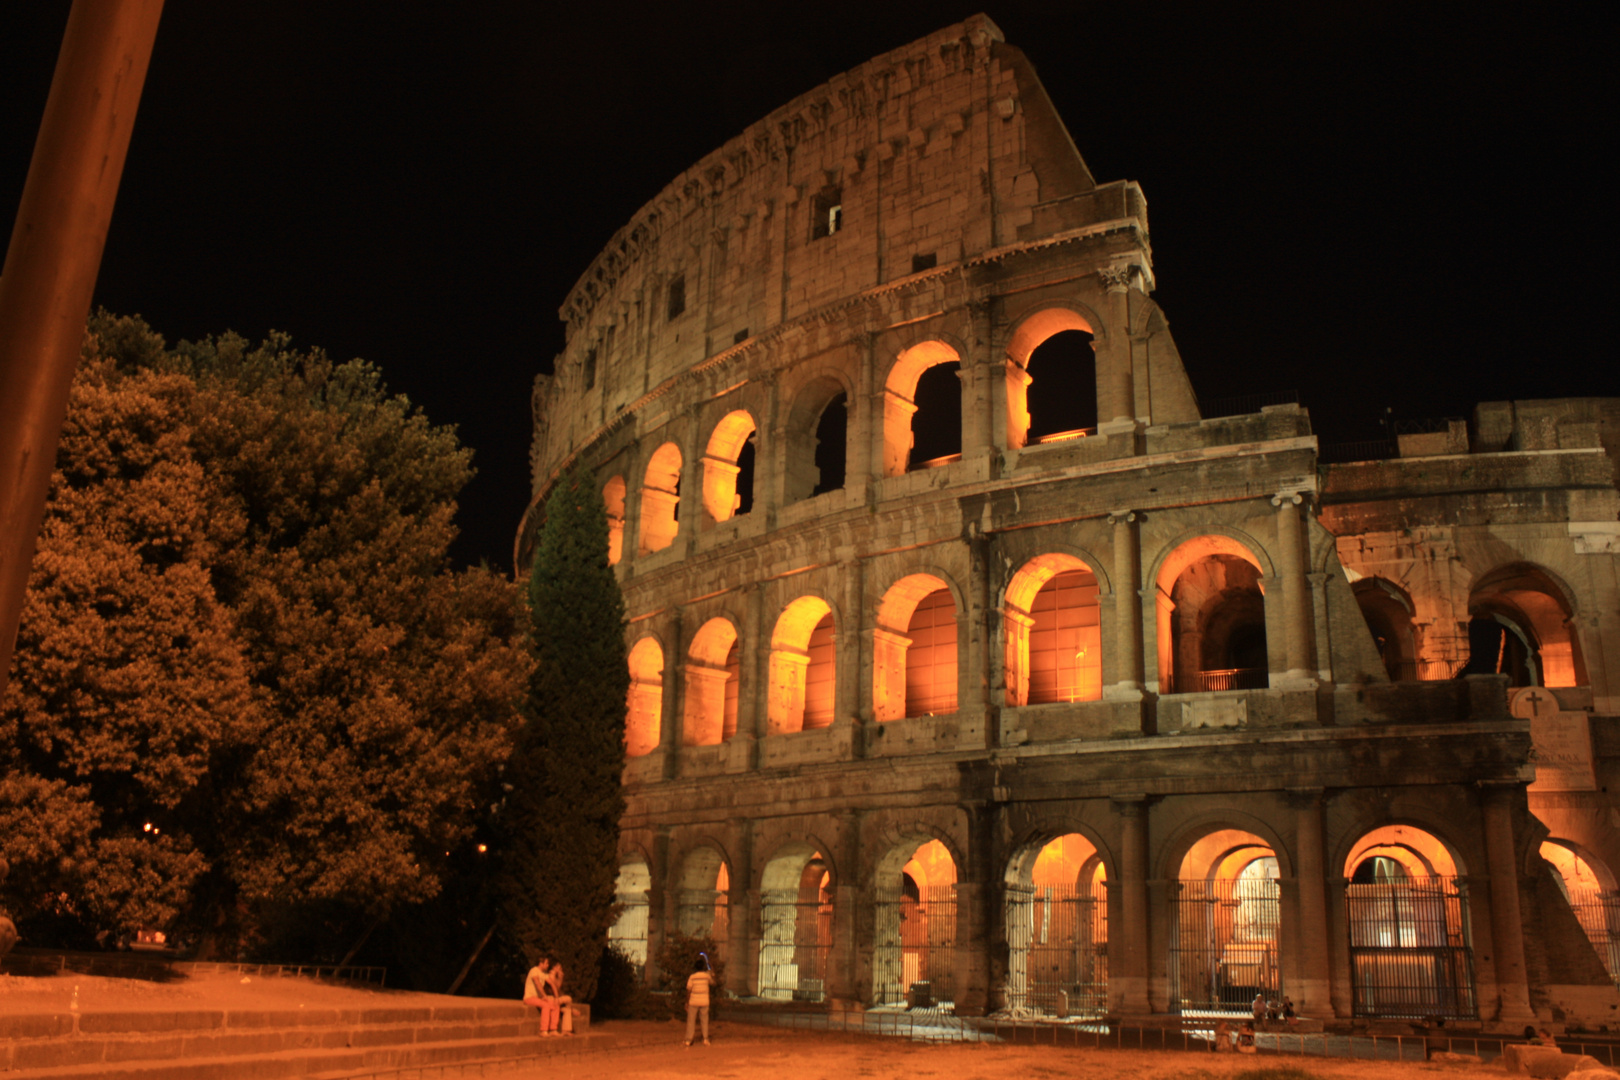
(52, 262)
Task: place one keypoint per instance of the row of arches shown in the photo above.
(1404, 917)
(922, 427)
(1520, 624)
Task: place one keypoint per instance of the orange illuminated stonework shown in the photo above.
(949, 688)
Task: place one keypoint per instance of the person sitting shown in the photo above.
(539, 993)
(565, 1012)
(1245, 1041)
(1223, 1037)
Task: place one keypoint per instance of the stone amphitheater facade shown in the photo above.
(1112, 707)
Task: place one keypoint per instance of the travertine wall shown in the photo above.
(949, 148)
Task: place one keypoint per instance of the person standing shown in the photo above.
(697, 998)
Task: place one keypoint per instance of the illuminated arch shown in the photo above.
(1053, 637)
(1222, 609)
(914, 889)
(817, 437)
(643, 723)
(803, 668)
(628, 934)
(796, 918)
(721, 496)
(1226, 921)
(702, 901)
(613, 499)
(711, 711)
(899, 400)
(1541, 646)
(661, 499)
(1056, 899)
(914, 649)
(1387, 610)
(1034, 330)
(1589, 887)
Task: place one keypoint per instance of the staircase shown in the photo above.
(247, 1044)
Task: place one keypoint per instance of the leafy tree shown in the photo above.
(559, 827)
(242, 628)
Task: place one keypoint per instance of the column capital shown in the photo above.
(1291, 498)
(1129, 805)
(1120, 517)
(1117, 279)
(1303, 798)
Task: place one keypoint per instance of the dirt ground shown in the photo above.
(746, 1052)
(99, 993)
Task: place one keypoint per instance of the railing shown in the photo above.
(1223, 945)
(795, 949)
(1229, 679)
(1065, 436)
(1409, 949)
(1425, 670)
(1243, 404)
(1057, 939)
(1599, 915)
(916, 943)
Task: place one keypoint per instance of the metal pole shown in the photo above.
(51, 264)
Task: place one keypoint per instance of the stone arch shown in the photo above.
(1189, 832)
(643, 723)
(1056, 915)
(899, 400)
(914, 666)
(1034, 329)
(803, 667)
(1588, 886)
(1211, 614)
(1051, 619)
(711, 691)
(1418, 848)
(817, 436)
(702, 893)
(796, 884)
(1538, 644)
(628, 934)
(1387, 609)
(913, 887)
(613, 499)
(661, 499)
(728, 466)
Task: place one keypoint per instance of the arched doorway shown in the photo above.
(703, 905)
(1225, 930)
(1212, 618)
(711, 691)
(1590, 889)
(1411, 954)
(925, 378)
(643, 724)
(1387, 611)
(795, 908)
(914, 955)
(728, 467)
(1523, 626)
(1054, 643)
(803, 668)
(1057, 929)
(914, 650)
(628, 934)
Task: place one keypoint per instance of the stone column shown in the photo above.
(1128, 946)
(1311, 990)
(1507, 928)
(1297, 615)
(1117, 385)
(657, 896)
(842, 985)
(860, 437)
(978, 392)
(850, 662)
(1127, 609)
(752, 649)
(740, 965)
(669, 715)
(973, 673)
(974, 896)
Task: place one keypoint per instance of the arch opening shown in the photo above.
(1051, 348)
(1411, 954)
(936, 439)
(1226, 925)
(1212, 618)
(914, 952)
(711, 694)
(803, 668)
(703, 903)
(613, 498)
(643, 724)
(1589, 886)
(661, 499)
(1052, 622)
(1522, 626)
(817, 437)
(628, 934)
(914, 663)
(796, 924)
(728, 467)
(1388, 614)
(1057, 928)
(832, 435)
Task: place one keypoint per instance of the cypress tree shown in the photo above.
(559, 827)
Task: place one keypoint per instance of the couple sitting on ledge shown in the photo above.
(543, 990)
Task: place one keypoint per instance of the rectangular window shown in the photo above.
(919, 263)
(828, 213)
(677, 295)
(590, 368)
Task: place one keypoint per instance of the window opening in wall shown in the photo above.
(936, 427)
(1523, 628)
(745, 476)
(828, 209)
(677, 295)
(733, 674)
(1062, 396)
(1587, 885)
(740, 336)
(661, 499)
(590, 368)
(1065, 643)
(613, 499)
(914, 953)
(1057, 929)
(1218, 632)
(919, 263)
(931, 657)
(643, 726)
(819, 676)
(832, 431)
(1388, 615)
(796, 917)
(628, 934)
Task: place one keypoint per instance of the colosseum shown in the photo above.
(976, 666)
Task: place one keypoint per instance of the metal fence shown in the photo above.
(1230, 679)
(1410, 954)
(1599, 915)
(1223, 946)
(795, 948)
(916, 944)
(1057, 939)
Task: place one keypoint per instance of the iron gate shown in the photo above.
(1057, 939)
(916, 943)
(1599, 915)
(1410, 953)
(795, 947)
(1223, 946)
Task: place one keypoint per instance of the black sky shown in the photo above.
(1372, 203)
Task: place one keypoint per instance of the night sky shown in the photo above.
(1375, 204)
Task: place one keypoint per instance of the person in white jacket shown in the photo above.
(697, 998)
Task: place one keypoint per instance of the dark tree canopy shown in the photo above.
(560, 825)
